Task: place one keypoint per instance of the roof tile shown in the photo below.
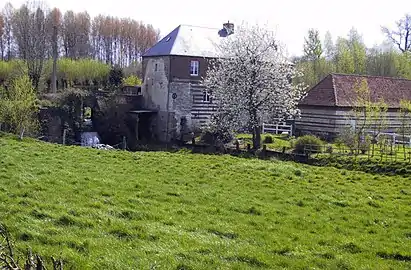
(338, 90)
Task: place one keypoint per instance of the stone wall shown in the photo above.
(180, 104)
(155, 86)
(51, 124)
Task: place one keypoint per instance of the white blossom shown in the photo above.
(252, 81)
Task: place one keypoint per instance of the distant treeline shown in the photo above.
(350, 55)
(109, 39)
(35, 38)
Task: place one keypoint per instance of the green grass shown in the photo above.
(279, 141)
(158, 210)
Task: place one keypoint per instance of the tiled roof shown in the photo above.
(339, 90)
(188, 40)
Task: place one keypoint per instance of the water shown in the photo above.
(89, 139)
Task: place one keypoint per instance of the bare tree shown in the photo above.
(29, 29)
(54, 25)
(82, 40)
(7, 37)
(69, 34)
(401, 36)
(2, 45)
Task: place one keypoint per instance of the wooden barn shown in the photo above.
(326, 106)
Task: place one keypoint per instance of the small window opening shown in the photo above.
(194, 68)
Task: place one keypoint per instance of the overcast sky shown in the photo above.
(289, 19)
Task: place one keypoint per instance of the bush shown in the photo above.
(115, 77)
(132, 81)
(308, 144)
(268, 139)
(215, 138)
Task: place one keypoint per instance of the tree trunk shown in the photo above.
(256, 137)
(55, 55)
(22, 133)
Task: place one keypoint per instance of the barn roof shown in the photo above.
(338, 90)
(188, 40)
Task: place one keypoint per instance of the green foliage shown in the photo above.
(268, 139)
(82, 71)
(312, 45)
(132, 80)
(115, 76)
(308, 144)
(365, 116)
(156, 209)
(9, 70)
(350, 55)
(18, 106)
(403, 65)
(344, 57)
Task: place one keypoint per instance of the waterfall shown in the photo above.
(89, 139)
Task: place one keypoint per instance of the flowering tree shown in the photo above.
(251, 81)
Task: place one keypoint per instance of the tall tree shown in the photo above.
(252, 82)
(343, 58)
(329, 48)
(401, 36)
(7, 37)
(381, 62)
(29, 29)
(358, 51)
(313, 52)
(69, 34)
(312, 45)
(2, 45)
(54, 27)
(18, 106)
(82, 26)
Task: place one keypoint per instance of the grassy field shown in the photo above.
(120, 210)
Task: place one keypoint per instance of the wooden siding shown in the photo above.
(331, 121)
(201, 110)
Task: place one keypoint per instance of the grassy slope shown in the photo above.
(117, 210)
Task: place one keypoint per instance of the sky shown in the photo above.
(290, 20)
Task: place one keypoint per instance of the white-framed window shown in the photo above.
(206, 96)
(194, 68)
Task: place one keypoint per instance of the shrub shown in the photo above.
(308, 143)
(132, 80)
(268, 139)
(115, 77)
(214, 137)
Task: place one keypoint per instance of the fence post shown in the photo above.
(264, 150)
(263, 128)
(124, 143)
(64, 136)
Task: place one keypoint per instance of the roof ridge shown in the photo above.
(334, 89)
(369, 76)
(199, 26)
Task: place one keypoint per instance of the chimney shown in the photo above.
(229, 28)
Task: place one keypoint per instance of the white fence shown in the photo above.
(396, 138)
(278, 128)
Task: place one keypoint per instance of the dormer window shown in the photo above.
(194, 68)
